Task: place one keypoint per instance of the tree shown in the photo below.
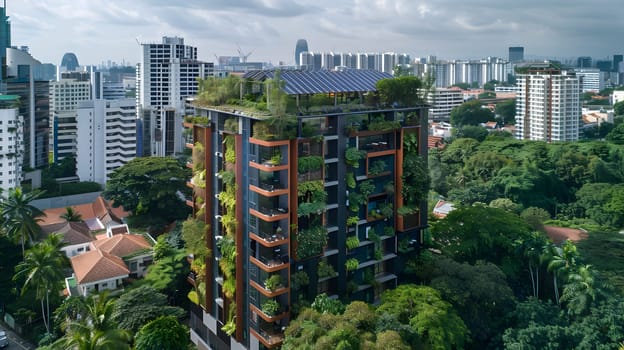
(480, 233)
(150, 186)
(618, 108)
(470, 113)
(480, 295)
(404, 91)
(561, 261)
(138, 306)
(580, 291)
(478, 133)
(535, 217)
(432, 318)
(70, 215)
(390, 340)
(42, 270)
(532, 248)
(95, 329)
(19, 217)
(506, 111)
(165, 332)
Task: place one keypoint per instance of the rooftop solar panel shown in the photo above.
(300, 82)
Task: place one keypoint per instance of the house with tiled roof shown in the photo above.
(95, 271)
(76, 236)
(98, 215)
(135, 250)
(443, 208)
(111, 257)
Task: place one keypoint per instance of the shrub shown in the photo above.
(352, 264)
(270, 307)
(353, 242)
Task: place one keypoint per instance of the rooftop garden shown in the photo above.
(264, 99)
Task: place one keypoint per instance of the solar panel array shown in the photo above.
(300, 82)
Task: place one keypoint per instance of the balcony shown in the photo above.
(270, 263)
(272, 239)
(270, 214)
(270, 334)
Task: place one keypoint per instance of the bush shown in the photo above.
(353, 242)
(352, 264)
(270, 307)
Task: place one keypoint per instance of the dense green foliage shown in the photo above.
(150, 187)
(164, 332)
(470, 113)
(141, 305)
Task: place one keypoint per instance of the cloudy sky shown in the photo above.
(97, 30)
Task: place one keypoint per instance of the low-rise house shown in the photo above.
(112, 257)
(98, 215)
(76, 236)
(96, 271)
(442, 208)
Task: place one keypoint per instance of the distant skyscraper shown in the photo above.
(5, 38)
(302, 46)
(584, 62)
(604, 65)
(617, 59)
(69, 61)
(516, 54)
(166, 76)
(548, 104)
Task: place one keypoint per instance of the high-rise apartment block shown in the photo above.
(33, 107)
(442, 101)
(451, 72)
(301, 46)
(383, 62)
(318, 199)
(5, 39)
(516, 54)
(167, 74)
(548, 104)
(11, 145)
(65, 95)
(106, 137)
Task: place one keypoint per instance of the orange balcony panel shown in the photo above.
(268, 218)
(190, 203)
(268, 143)
(271, 341)
(266, 317)
(268, 168)
(271, 266)
(266, 193)
(268, 243)
(267, 293)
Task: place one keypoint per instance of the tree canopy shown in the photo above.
(470, 113)
(150, 186)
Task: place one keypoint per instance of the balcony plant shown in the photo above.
(389, 231)
(378, 254)
(367, 188)
(199, 154)
(325, 270)
(311, 241)
(352, 264)
(377, 167)
(350, 180)
(353, 156)
(230, 326)
(352, 242)
(270, 307)
(352, 220)
(273, 282)
(299, 279)
(309, 164)
(386, 210)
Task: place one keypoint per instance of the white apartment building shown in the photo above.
(592, 79)
(617, 96)
(65, 95)
(548, 104)
(11, 143)
(167, 74)
(106, 137)
(442, 101)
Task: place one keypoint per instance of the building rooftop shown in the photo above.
(99, 209)
(73, 232)
(301, 82)
(122, 245)
(97, 265)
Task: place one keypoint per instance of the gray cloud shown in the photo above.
(99, 30)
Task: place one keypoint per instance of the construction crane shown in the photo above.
(243, 56)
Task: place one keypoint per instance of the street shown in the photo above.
(15, 342)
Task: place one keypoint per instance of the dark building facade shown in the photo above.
(301, 46)
(516, 54)
(300, 205)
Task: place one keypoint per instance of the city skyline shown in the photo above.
(99, 31)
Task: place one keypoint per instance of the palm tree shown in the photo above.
(70, 215)
(562, 261)
(19, 217)
(532, 248)
(42, 269)
(580, 291)
(96, 330)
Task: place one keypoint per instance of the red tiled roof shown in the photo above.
(73, 232)
(122, 245)
(97, 265)
(100, 208)
(435, 142)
